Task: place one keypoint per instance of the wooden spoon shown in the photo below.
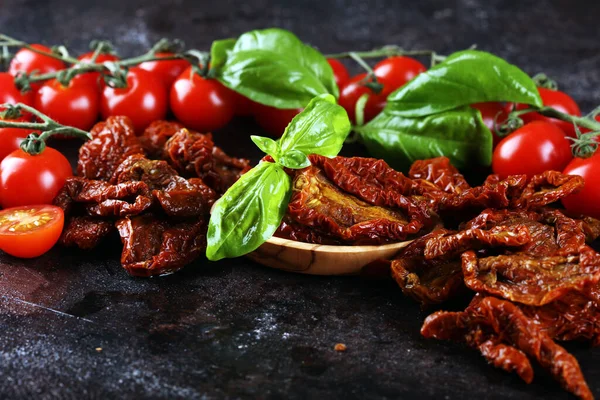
(317, 259)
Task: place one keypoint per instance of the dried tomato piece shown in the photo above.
(493, 326)
(547, 188)
(441, 173)
(85, 232)
(112, 142)
(154, 246)
(156, 135)
(292, 230)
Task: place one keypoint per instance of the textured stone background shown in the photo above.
(234, 329)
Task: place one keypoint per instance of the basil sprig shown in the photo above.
(251, 210)
(429, 116)
(272, 67)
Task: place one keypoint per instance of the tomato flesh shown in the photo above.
(31, 231)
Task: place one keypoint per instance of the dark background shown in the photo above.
(74, 325)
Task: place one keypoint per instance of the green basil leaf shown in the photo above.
(219, 50)
(267, 145)
(320, 129)
(249, 212)
(458, 134)
(464, 78)
(275, 68)
(294, 159)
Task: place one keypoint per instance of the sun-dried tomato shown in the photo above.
(85, 232)
(156, 135)
(441, 173)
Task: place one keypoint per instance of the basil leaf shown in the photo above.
(273, 67)
(218, 52)
(464, 78)
(267, 145)
(320, 129)
(294, 159)
(249, 212)
(458, 134)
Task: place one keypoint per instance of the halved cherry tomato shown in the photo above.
(532, 149)
(492, 114)
(27, 179)
(340, 73)
(201, 104)
(395, 72)
(9, 93)
(274, 120)
(28, 61)
(93, 78)
(353, 90)
(587, 201)
(30, 231)
(143, 100)
(167, 70)
(76, 105)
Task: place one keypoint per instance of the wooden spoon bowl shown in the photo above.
(317, 259)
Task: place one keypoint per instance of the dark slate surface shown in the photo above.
(74, 325)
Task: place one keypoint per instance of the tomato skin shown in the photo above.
(9, 93)
(244, 107)
(395, 72)
(274, 120)
(492, 113)
(27, 180)
(93, 78)
(27, 61)
(31, 231)
(143, 100)
(353, 90)
(201, 104)
(167, 70)
(587, 201)
(532, 149)
(76, 105)
(340, 73)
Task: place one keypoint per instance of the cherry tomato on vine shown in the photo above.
(492, 114)
(340, 73)
(201, 104)
(93, 78)
(395, 72)
(30, 231)
(274, 120)
(9, 93)
(587, 201)
(167, 70)
(353, 90)
(32, 179)
(555, 99)
(532, 149)
(75, 105)
(27, 61)
(143, 100)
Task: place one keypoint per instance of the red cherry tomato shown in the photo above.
(167, 70)
(587, 201)
(75, 105)
(395, 72)
(143, 100)
(201, 104)
(30, 231)
(492, 113)
(556, 99)
(28, 61)
(340, 73)
(244, 107)
(93, 78)
(27, 179)
(9, 93)
(353, 90)
(532, 149)
(274, 120)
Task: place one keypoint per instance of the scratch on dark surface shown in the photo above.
(46, 308)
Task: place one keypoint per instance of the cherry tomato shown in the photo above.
(587, 201)
(93, 78)
(492, 113)
(75, 105)
(28, 61)
(167, 70)
(201, 104)
(395, 72)
(340, 73)
(274, 120)
(244, 107)
(27, 179)
(9, 93)
(532, 149)
(353, 90)
(143, 100)
(30, 231)
(556, 99)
